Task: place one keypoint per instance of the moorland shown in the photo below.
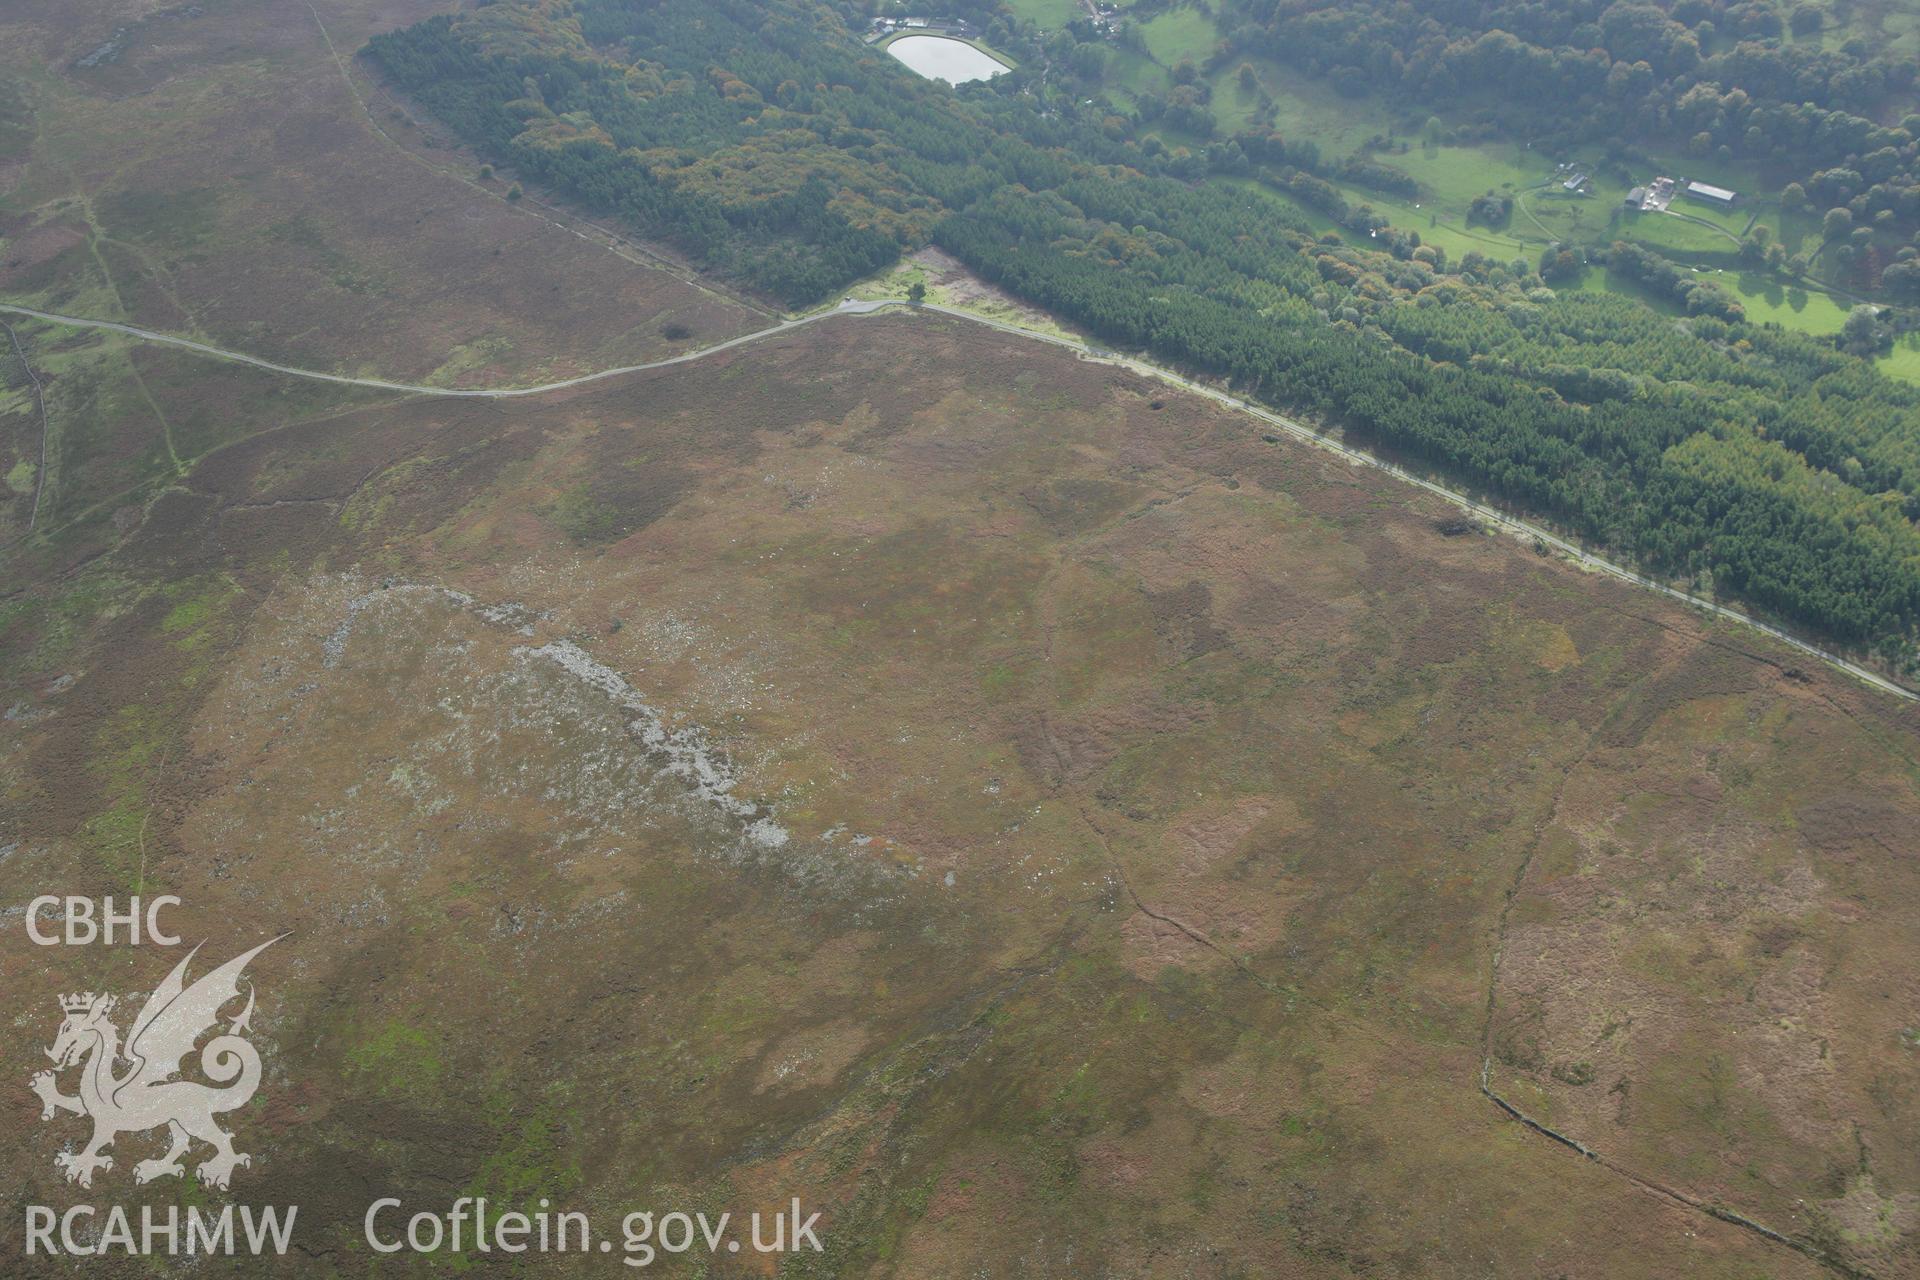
(1039, 816)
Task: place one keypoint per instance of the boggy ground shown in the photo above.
(1003, 802)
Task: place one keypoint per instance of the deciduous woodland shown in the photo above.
(767, 141)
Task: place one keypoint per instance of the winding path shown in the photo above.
(854, 307)
(460, 393)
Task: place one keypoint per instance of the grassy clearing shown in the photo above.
(1135, 73)
(950, 287)
(1667, 232)
(1234, 107)
(1540, 217)
(1607, 281)
(1309, 108)
(1441, 226)
(1457, 175)
(1180, 33)
(1047, 13)
(1903, 362)
(1790, 306)
(1551, 214)
(1733, 221)
(1456, 238)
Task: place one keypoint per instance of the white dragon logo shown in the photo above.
(146, 1095)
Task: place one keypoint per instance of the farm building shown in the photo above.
(1709, 195)
(1657, 195)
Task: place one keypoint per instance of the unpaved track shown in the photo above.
(46, 428)
(464, 393)
(850, 307)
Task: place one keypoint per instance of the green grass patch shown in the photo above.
(1135, 73)
(1046, 13)
(1553, 215)
(127, 752)
(1310, 109)
(1180, 33)
(1800, 231)
(1454, 176)
(532, 1157)
(400, 1060)
(1669, 234)
(1439, 226)
(1734, 221)
(1903, 362)
(1234, 106)
(1789, 306)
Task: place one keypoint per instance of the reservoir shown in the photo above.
(943, 58)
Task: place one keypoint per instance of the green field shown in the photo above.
(1234, 107)
(1454, 236)
(1456, 175)
(1676, 235)
(1452, 176)
(1733, 221)
(1442, 225)
(1789, 306)
(1903, 361)
(1180, 33)
(1304, 107)
(1048, 13)
(1134, 73)
(1552, 214)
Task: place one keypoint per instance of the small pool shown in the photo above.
(944, 58)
